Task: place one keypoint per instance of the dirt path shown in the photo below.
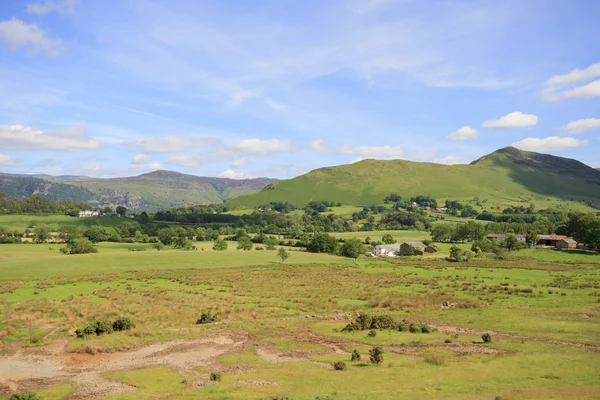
(455, 329)
(29, 368)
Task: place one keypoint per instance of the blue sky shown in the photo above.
(277, 88)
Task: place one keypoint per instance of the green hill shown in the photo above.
(507, 176)
(150, 192)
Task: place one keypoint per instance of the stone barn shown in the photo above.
(412, 249)
(565, 244)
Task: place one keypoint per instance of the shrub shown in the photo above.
(208, 317)
(372, 333)
(216, 377)
(25, 396)
(414, 328)
(123, 324)
(355, 355)
(376, 355)
(220, 245)
(94, 328)
(79, 246)
(339, 366)
(487, 338)
(425, 329)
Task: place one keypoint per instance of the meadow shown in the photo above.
(280, 325)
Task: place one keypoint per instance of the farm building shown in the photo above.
(502, 237)
(549, 240)
(85, 214)
(387, 250)
(567, 243)
(412, 249)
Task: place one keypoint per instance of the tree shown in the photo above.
(376, 355)
(355, 355)
(456, 253)
(121, 210)
(69, 233)
(443, 232)
(322, 243)
(244, 243)
(388, 239)
(283, 254)
(106, 210)
(79, 246)
(220, 245)
(352, 248)
(531, 238)
(511, 243)
(159, 245)
(585, 228)
(271, 242)
(40, 234)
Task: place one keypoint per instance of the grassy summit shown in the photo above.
(504, 176)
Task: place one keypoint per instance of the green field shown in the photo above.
(280, 325)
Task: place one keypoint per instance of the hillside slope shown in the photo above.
(150, 192)
(503, 177)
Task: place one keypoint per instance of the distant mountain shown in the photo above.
(150, 192)
(505, 176)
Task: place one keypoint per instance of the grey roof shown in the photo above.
(388, 247)
(414, 244)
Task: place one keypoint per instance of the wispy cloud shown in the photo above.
(19, 137)
(464, 133)
(52, 6)
(581, 126)
(16, 34)
(555, 88)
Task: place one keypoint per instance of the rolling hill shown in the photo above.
(506, 176)
(150, 192)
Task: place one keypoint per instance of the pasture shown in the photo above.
(280, 325)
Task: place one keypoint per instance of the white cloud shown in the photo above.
(48, 6)
(231, 174)
(141, 159)
(575, 76)
(19, 137)
(512, 120)
(588, 91)
(16, 33)
(551, 143)
(239, 163)
(7, 161)
(264, 147)
(554, 87)
(581, 125)
(464, 133)
(172, 144)
(451, 160)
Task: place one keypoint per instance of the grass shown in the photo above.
(298, 310)
(21, 221)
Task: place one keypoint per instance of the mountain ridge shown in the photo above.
(151, 191)
(507, 174)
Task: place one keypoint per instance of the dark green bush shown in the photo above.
(487, 338)
(208, 317)
(339, 366)
(376, 355)
(355, 355)
(123, 324)
(425, 329)
(372, 333)
(216, 377)
(415, 328)
(25, 396)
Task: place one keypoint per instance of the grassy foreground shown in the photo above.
(541, 307)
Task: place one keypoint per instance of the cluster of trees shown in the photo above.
(460, 210)
(279, 206)
(585, 228)
(320, 206)
(40, 205)
(421, 201)
(404, 220)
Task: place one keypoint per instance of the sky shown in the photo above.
(276, 88)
